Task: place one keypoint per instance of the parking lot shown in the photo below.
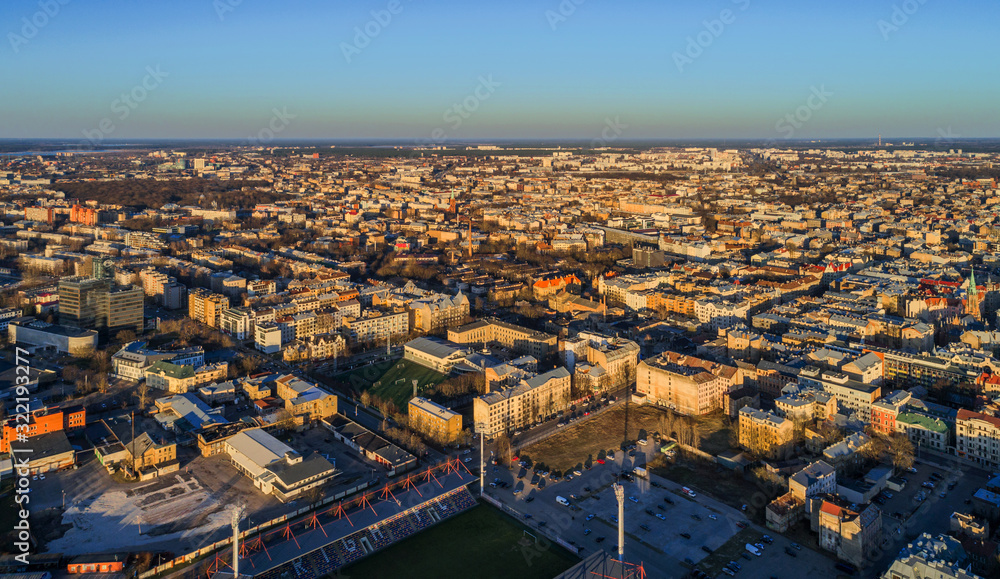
(932, 514)
(662, 548)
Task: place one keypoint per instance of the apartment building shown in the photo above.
(977, 438)
(438, 313)
(940, 557)
(852, 394)
(179, 379)
(315, 347)
(685, 384)
(765, 434)
(885, 411)
(207, 307)
(261, 287)
(304, 398)
(267, 337)
(434, 421)
(806, 404)
(43, 421)
(374, 325)
(924, 431)
(237, 322)
(519, 339)
(164, 288)
(133, 359)
(818, 478)
(852, 532)
(529, 401)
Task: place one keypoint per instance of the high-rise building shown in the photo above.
(81, 301)
(207, 307)
(92, 303)
(124, 308)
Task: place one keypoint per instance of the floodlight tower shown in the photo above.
(239, 511)
(481, 429)
(620, 495)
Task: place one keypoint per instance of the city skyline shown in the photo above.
(732, 69)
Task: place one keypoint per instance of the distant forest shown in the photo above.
(966, 172)
(634, 175)
(150, 193)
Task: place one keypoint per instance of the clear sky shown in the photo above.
(516, 69)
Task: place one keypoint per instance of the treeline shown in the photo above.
(635, 176)
(146, 193)
(966, 172)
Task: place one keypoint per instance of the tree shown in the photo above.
(143, 395)
(284, 420)
(502, 445)
(125, 336)
(902, 451)
(101, 361)
(101, 383)
(313, 496)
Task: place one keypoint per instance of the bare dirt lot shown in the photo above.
(573, 444)
(178, 512)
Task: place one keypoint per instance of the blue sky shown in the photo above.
(542, 69)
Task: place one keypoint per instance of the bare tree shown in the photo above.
(101, 383)
(143, 394)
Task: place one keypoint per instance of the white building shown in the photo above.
(267, 337)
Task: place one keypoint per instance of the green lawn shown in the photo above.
(392, 380)
(397, 383)
(482, 543)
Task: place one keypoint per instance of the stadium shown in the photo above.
(330, 539)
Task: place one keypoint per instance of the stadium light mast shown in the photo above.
(238, 512)
(620, 495)
(481, 429)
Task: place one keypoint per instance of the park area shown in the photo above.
(392, 381)
(574, 444)
(482, 543)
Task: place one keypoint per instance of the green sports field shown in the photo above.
(397, 383)
(482, 543)
(393, 380)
